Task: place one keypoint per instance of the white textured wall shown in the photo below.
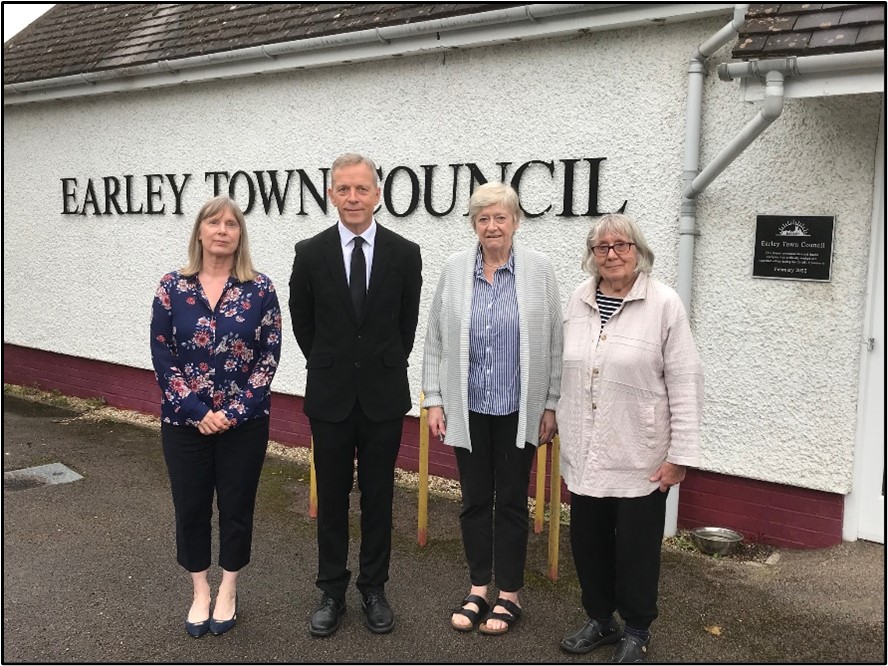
(781, 358)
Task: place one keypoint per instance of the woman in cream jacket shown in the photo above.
(629, 417)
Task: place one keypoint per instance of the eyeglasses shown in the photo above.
(621, 247)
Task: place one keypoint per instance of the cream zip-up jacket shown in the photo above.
(445, 364)
(631, 393)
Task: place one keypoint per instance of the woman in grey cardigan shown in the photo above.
(491, 378)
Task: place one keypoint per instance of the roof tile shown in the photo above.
(769, 24)
(751, 43)
(820, 20)
(837, 37)
(872, 36)
(863, 15)
(786, 42)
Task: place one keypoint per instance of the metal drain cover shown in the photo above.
(43, 475)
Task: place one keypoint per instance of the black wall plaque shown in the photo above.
(793, 247)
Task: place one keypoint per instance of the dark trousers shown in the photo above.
(616, 543)
(229, 464)
(335, 447)
(494, 477)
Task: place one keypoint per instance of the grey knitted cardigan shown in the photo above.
(445, 365)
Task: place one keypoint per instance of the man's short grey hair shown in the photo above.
(350, 159)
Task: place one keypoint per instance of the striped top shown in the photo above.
(494, 379)
(607, 305)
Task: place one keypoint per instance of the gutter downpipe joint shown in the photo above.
(687, 220)
(771, 109)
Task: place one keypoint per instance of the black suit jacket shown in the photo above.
(348, 358)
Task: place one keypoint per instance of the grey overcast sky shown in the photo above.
(18, 15)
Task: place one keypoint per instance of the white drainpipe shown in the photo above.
(794, 66)
(771, 109)
(687, 222)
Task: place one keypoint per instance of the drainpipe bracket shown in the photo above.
(381, 38)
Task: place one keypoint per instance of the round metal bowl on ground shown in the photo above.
(716, 540)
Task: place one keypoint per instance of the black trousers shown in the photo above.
(335, 446)
(229, 464)
(616, 543)
(494, 477)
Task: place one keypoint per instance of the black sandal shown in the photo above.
(474, 616)
(510, 618)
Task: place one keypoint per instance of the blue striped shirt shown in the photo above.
(494, 365)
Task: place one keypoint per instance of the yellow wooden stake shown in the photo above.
(312, 484)
(539, 510)
(554, 508)
(423, 510)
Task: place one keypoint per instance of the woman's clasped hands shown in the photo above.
(213, 423)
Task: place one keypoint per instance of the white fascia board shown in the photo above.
(820, 85)
(470, 35)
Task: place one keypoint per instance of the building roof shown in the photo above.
(800, 29)
(83, 38)
(74, 38)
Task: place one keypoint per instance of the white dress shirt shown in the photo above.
(347, 239)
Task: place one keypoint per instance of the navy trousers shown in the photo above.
(227, 464)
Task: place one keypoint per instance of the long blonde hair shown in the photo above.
(243, 268)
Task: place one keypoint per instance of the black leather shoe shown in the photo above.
(591, 636)
(379, 616)
(328, 616)
(630, 650)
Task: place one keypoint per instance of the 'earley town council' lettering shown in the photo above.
(161, 194)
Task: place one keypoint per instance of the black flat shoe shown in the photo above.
(630, 650)
(219, 627)
(379, 616)
(328, 616)
(591, 636)
(197, 629)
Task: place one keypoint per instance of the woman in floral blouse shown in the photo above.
(215, 345)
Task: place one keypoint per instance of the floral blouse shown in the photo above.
(215, 359)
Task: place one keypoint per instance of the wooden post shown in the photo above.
(312, 484)
(539, 510)
(423, 509)
(554, 508)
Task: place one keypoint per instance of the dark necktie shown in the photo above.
(358, 283)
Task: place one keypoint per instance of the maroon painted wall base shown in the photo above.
(765, 512)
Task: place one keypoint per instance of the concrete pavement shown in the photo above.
(89, 575)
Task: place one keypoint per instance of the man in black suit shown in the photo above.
(354, 303)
